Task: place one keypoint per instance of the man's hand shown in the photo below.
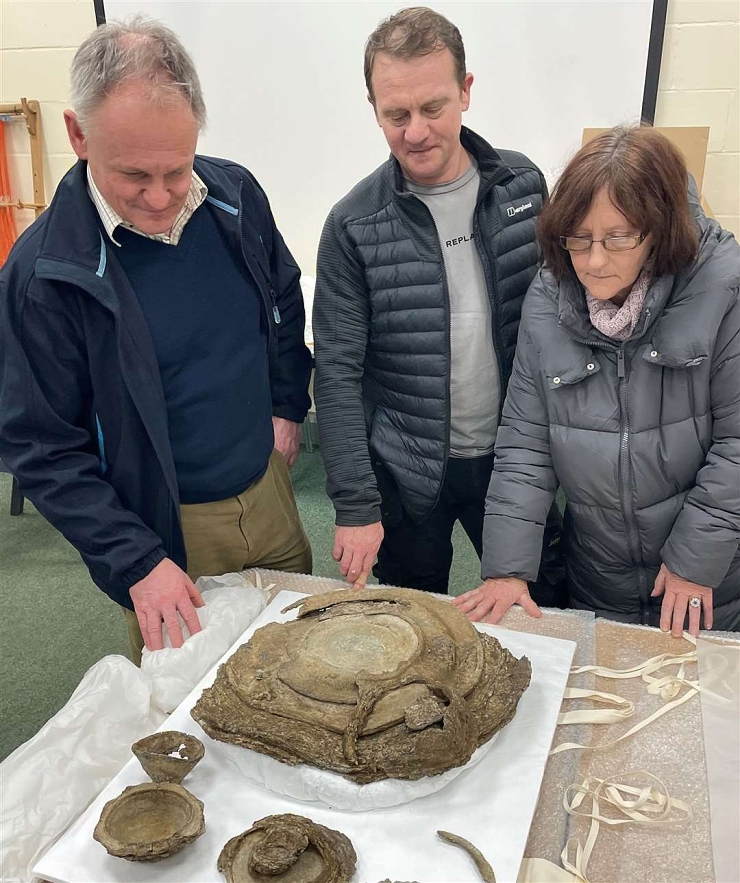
(356, 549)
(287, 438)
(678, 592)
(161, 595)
(492, 599)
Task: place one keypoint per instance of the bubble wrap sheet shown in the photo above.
(672, 748)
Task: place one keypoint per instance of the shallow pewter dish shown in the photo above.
(288, 849)
(149, 822)
(168, 756)
(385, 683)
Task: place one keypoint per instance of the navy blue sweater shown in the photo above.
(212, 356)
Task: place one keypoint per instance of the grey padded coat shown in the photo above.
(643, 437)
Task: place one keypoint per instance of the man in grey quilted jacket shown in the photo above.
(422, 269)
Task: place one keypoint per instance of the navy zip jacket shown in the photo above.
(82, 413)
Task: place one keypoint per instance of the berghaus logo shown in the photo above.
(511, 210)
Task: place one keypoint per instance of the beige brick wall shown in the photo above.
(37, 43)
(700, 86)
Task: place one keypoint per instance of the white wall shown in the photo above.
(699, 85)
(286, 96)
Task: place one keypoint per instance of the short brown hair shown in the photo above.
(412, 33)
(645, 177)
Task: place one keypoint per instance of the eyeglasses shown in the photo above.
(610, 243)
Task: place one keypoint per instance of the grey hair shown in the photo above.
(139, 48)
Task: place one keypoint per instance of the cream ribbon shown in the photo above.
(652, 806)
(667, 687)
(620, 711)
(540, 870)
(647, 804)
(257, 583)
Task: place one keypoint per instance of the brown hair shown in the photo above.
(645, 177)
(412, 33)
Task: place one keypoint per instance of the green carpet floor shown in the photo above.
(55, 623)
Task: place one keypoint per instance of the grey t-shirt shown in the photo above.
(475, 386)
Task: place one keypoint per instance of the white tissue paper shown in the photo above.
(231, 605)
(49, 780)
(307, 783)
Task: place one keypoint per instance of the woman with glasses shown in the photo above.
(626, 393)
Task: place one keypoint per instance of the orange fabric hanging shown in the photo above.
(7, 222)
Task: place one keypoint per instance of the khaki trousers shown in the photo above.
(258, 528)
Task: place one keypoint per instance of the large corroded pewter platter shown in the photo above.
(387, 683)
(150, 822)
(288, 848)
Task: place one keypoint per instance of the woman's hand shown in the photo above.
(490, 601)
(678, 593)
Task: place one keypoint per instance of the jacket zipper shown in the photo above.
(497, 346)
(446, 292)
(625, 491)
(271, 308)
(625, 472)
(492, 291)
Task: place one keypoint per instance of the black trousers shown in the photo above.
(418, 554)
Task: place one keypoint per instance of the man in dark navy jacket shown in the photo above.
(153, 374)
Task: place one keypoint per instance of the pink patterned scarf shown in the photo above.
(615, 321)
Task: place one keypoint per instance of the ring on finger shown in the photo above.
(695, 601)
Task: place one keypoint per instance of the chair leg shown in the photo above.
(16, 499)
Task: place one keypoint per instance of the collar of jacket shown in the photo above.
(680, 315)
(493, 170)
(78, 252)
(671, 333)
(573, 311)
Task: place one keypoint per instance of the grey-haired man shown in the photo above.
(153, 374)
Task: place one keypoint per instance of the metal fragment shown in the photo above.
(484, 868)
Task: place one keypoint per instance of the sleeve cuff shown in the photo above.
(142, 568)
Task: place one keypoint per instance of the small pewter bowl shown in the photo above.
(149, 822)
(165, 759)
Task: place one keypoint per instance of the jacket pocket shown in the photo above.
(555, 379)
(652, 354)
